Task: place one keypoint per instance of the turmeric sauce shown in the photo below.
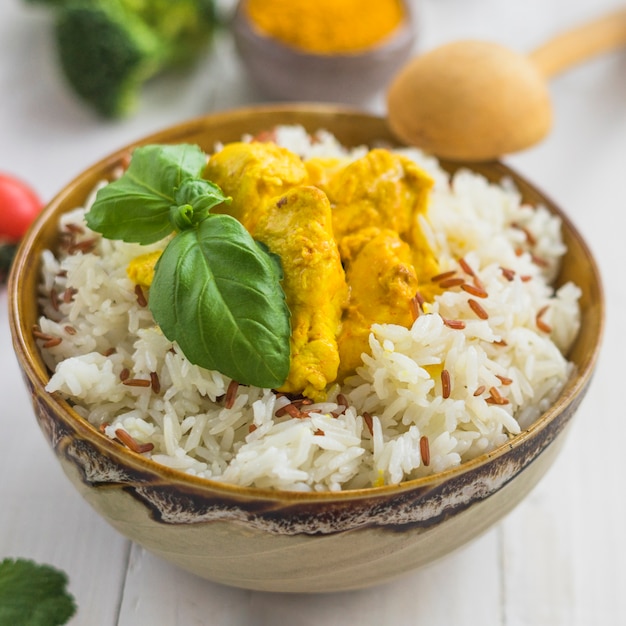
(326, 26)
(349, 237)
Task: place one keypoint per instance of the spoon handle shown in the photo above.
(580, 43)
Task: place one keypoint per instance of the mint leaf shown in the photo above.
(33, 595)
(217, 293)
(136, 207)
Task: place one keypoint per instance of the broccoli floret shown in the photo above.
(109, 48)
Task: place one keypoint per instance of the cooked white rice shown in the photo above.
(398, 389)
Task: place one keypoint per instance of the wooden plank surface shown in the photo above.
(557, 560)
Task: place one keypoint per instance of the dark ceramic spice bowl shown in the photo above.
(285, 73)
(288, 541)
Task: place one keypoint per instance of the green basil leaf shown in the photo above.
(201, 195)
(218, 295)
(136, 207)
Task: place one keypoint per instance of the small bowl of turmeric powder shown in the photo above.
(330, 51)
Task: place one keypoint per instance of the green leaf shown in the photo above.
(201, 196)
(136, 207)
(33, 595)
(218, 295)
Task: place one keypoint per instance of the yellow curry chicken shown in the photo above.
(349, 236)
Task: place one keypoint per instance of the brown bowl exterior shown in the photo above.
(284, 73)
(288, 541)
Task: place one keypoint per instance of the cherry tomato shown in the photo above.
(19, 205)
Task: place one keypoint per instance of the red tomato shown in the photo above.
(19, 205)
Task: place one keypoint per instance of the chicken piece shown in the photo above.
(297, 226)
(251, 174)
(380, 189)
(322, 169)
(141, 269)
(382, 282)
(383, 190)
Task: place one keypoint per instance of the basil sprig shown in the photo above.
(216, 291)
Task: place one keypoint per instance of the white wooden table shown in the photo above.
(558, 559)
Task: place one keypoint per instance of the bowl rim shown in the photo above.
(25, 346)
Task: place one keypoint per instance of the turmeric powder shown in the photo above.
(326, 26)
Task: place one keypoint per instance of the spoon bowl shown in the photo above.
(476, 101)
(470, 100)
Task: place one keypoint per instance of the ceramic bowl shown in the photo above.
(285, 73)
(288, 541)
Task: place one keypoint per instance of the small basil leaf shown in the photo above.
(217, 294)
(202, 195)
(181, 216)
(135, 208)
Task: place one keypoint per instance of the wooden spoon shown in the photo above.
(475, 101)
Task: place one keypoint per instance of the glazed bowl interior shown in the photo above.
(286, 73)
(78, 444)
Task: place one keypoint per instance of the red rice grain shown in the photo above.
(141, 298)
(479, 292)
(530, 238)
(367, 418)
(504, 379)
(425, 450)
(466, 267)
(416, 310)
(541, 325)
(74, 228)
(443, 276)
(130, 443)
(299, 402)
(281, 412)
(69, 294)
(70, 330)
(455, 324)
(495, 397)
(292, 410)
(54, 299)
(478, 283)
(51, 343)
(39, 334)
(449, 283)
(445, 383)
(319, 432)
(231, 394)
(478, 309)
(137, 382)
(509, 274)
(265, 136)
(479, 391)
(85, 246)
(124, 374)
(155, 383)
